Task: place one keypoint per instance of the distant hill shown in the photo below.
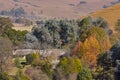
(54, 8)
(111, 14)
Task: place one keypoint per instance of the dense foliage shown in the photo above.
(90, 55)
(70, 65)
(61, 33)
(16, 37)
(84, 74)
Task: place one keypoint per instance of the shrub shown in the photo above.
(70, 65)
(20, 76)
(84, 74)
(4, 76)
(17, 63)
(31, 57)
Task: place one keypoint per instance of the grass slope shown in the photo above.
(111, 14)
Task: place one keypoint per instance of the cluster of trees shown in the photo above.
(6, 31)
(68, 68)
(91, 56)
(96, 43)
(9, 39)
(18, 12)
(108, 64)
(63, 33)
(92, 40)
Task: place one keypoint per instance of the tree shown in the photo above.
(53, 29)
(109, 63)
(87, 51)
(87, 23)
(16, 36)
(31, 57)
(67, 69)
(101, 36)
(84, 74)
(5, 53)
(67, 31)
(70, 65)
(31, 41)
(95, 42)
(43, 36)
(5, 25)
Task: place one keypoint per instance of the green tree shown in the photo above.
(31, 57)
(84, 74)
(43, 36)
(4, 76)
(53, 28)
(70, 65)
(5, 25)
(46, 68)
(18, 63)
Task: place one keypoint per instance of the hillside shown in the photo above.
(55, 8)
(111, 14)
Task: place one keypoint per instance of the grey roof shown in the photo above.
(23, 52)
(44, 53)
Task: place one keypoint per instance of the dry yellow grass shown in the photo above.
(111, 14)
(21, 27)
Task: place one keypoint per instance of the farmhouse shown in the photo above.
(44, 53)
(56, 53)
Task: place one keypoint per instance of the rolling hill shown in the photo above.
(55, 8)
(111, 14)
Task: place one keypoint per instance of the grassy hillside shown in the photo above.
(55, 8)
(111, 14)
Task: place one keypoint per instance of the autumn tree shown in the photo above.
(101, 36)
(88, 51)
(96, 42)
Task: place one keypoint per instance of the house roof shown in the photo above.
(44, 53)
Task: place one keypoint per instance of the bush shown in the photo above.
(46, 68)
(31, 57)
(21, 76)
(84, 74)
(70, 65)
(4, 76)
(17, 63)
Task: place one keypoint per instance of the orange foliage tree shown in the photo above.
(96, 43)
(88, 51)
